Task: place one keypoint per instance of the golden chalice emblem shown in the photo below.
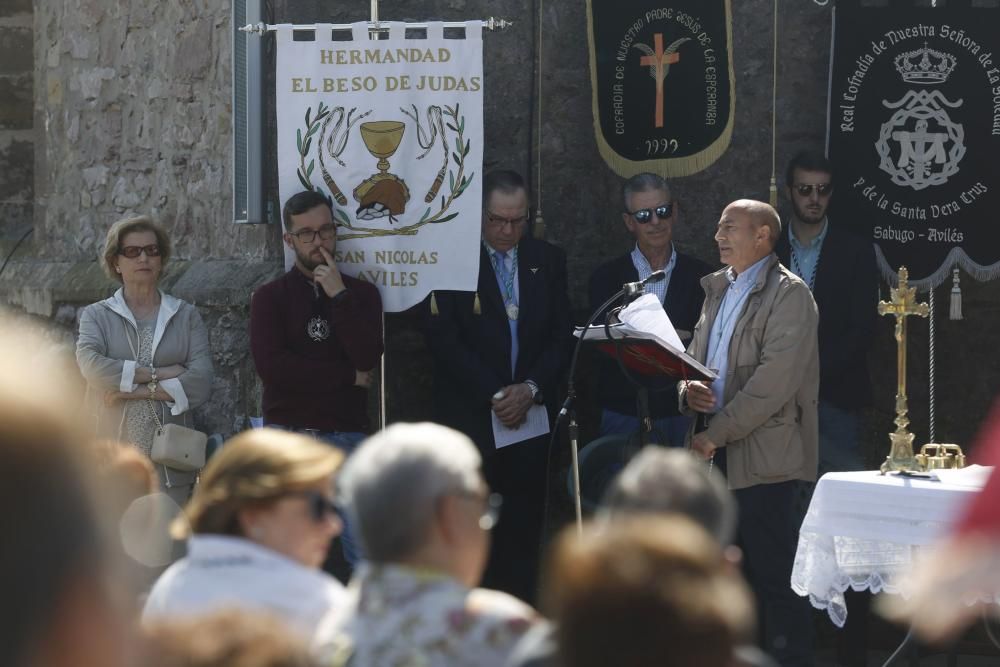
(382, 194)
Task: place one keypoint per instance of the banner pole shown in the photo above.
(493, 24)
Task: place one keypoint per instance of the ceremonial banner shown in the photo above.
(914, 134)
(392, 131)
(661, 78)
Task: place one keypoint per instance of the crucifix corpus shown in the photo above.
(902, 304)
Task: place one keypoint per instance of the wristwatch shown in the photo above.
(536, 392)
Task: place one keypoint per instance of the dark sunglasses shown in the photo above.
(822, 189)
(319, 505)
(133, 251)
(644, 215)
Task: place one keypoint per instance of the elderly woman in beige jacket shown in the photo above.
(145, 354)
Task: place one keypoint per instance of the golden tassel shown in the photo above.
(476, 308)
(434, 305)
(539, 230)
(774, 192)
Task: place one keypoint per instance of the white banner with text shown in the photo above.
(392, 131)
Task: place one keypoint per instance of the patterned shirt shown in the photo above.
(642, 265)
(399, 616)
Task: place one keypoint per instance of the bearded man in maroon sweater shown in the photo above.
(316, 336)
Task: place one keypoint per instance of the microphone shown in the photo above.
(633, 289)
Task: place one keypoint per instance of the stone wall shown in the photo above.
(132, 114)
(16, 135)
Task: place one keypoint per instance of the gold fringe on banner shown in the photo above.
(476, 308)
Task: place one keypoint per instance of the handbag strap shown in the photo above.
(156, 417)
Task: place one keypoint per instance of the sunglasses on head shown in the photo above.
(822, 189)
(319, 505)
(133, 251)
(644, 215)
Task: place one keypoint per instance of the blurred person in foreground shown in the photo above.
(423, 513)
(260, 524)
(647, 591)
(224, 639)
(58, 607)
(659, 482)
(145, 354)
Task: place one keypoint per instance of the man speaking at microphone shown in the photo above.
(649, 215)
(758, 418)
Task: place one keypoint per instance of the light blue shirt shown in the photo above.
(725, 323)
(805, 257)
(642, 265)
(503, 266)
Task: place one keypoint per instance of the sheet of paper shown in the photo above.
(646, 314)
(536, 423)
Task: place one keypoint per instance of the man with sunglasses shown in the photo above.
(649, 214)
(497, 353)
(316, 337)
(840, 269)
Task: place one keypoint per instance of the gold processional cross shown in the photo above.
(902, 304)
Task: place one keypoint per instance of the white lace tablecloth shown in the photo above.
(865, 531)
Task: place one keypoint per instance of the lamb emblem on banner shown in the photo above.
(384, 195)
(920, 146)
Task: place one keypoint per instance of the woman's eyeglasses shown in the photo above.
(644, 215)
(133, 251)
(822, 189)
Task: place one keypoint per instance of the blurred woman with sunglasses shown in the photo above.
(258, 526)
(145, 354)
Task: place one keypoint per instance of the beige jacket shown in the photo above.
(105, 352)
(768, 424)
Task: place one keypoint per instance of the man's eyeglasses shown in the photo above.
(133, 251)
(822, 189)
(326, 232)
(319, 505)
(498, 221)
(491, 511)
(644, 215)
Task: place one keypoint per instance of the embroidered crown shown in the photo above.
(925, 66)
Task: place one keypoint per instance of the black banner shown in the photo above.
(662, 83)
(915, 133)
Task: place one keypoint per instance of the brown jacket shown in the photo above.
(768, 423)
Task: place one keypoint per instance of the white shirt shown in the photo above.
(222, 572)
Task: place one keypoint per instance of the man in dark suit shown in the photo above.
(649, 214)
(497, 353)
(840, 269)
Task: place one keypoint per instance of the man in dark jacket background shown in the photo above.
(649, 214)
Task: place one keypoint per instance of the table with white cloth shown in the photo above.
(864, 530)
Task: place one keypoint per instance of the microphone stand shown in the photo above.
(569, 409)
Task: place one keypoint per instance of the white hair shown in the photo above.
(390, 485)
(660, 480)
